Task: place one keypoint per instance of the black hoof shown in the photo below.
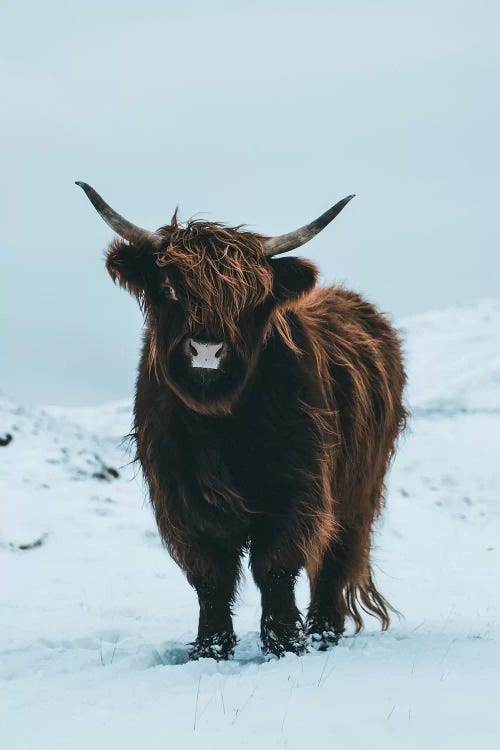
(219, 647)
(321, 638)
(280, 638)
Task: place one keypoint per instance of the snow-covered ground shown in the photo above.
(95, 617)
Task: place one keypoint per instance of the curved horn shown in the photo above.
(285, 242)
(121, 226)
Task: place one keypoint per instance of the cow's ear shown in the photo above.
(132, 266)
(293, 277)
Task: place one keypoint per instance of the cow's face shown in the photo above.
(209, 294)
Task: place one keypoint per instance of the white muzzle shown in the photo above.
(206, 356)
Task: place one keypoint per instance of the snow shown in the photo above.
(95, 620)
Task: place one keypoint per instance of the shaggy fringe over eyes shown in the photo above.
(223, 268)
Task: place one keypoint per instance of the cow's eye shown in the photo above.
(169, 292)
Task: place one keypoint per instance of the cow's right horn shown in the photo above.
(118, 224)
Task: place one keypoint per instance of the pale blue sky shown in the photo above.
(257, 112)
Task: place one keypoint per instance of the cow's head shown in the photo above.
(209, 293)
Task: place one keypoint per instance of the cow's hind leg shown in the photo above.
(343, 588)
(214, 572)
(327, 610)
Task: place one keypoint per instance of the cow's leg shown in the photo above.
(276, 564)
(343, 585)
(213, 571)
(327, 609)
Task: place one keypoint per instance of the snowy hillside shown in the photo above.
(95, 617)
(454, 359)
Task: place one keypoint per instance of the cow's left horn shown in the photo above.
(121, 226)
(285, 242)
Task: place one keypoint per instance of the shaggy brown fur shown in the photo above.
(287, 455)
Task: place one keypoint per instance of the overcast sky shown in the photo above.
(258, 112)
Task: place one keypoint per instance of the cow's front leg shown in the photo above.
(214, 573)
(275, 568)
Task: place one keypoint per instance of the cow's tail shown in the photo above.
(363, 597)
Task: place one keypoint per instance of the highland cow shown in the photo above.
(266, 414)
